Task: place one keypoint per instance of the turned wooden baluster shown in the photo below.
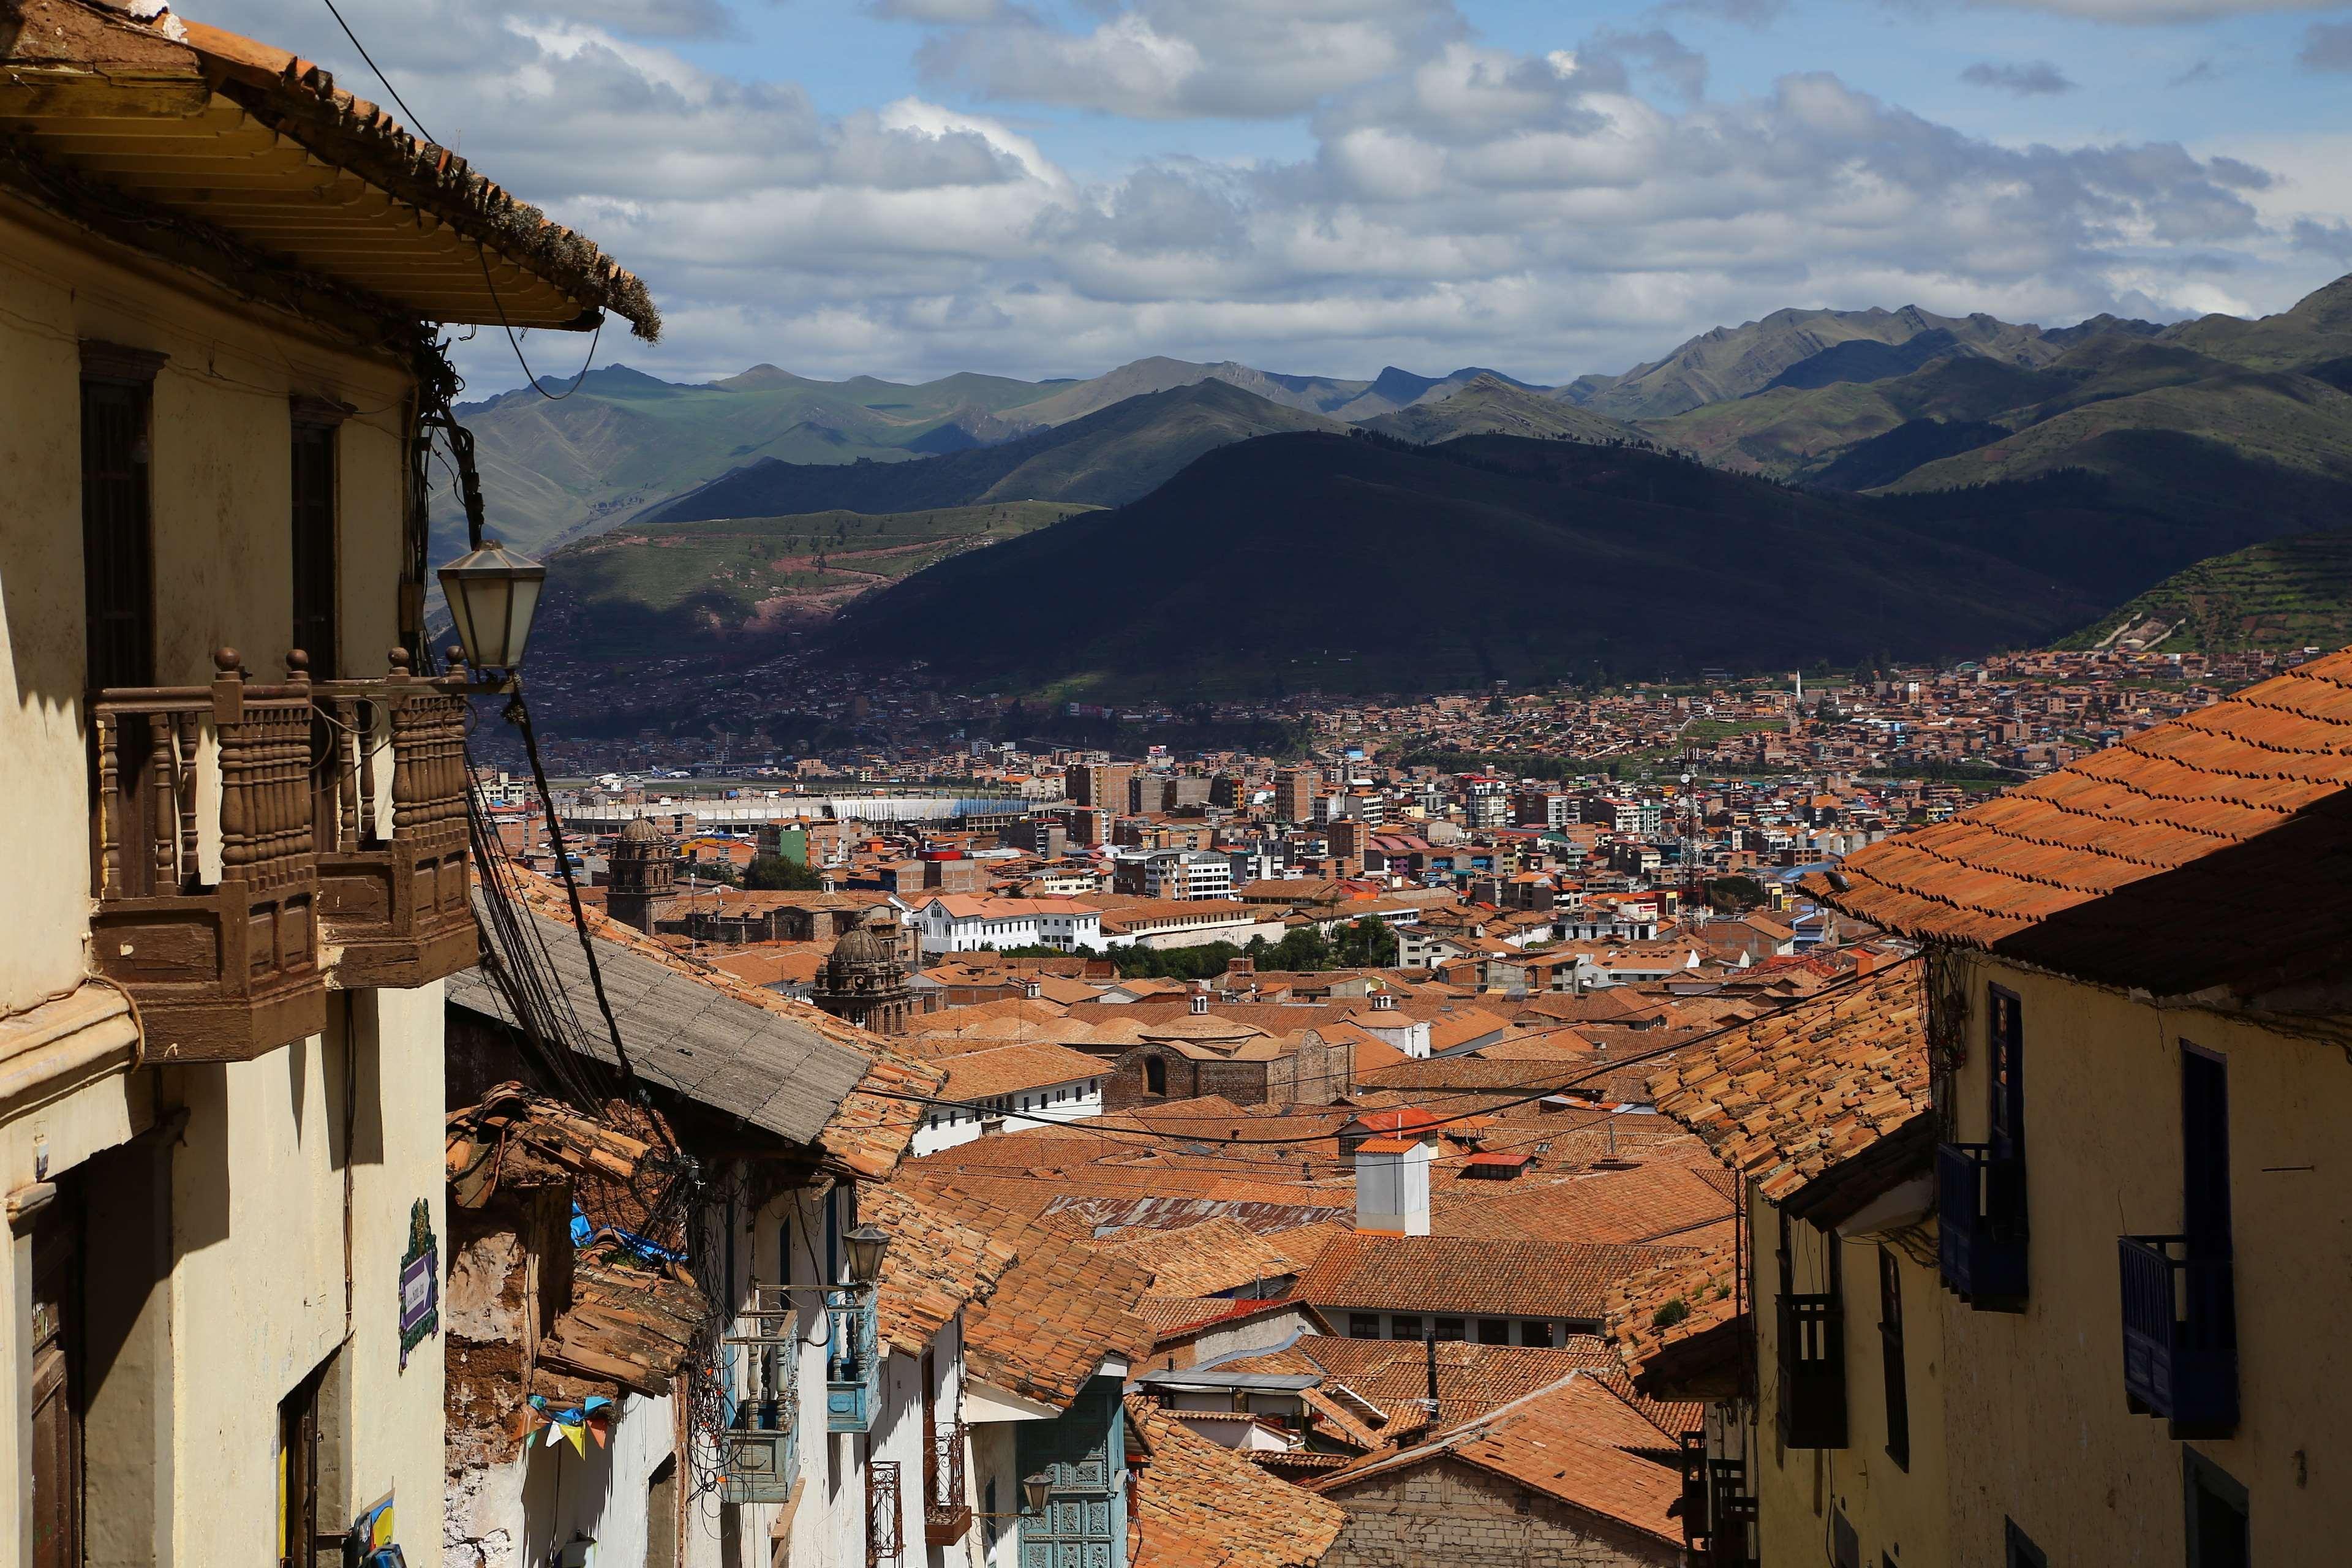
(405, 819)
(294, 832)
(237, 815)
(347, 775)
(159, 825)
(183, 728)
(109, 808)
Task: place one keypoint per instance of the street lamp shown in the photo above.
(867, 1245)
(1034, 1490)
(493, 594)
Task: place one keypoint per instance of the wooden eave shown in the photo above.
(113, 124)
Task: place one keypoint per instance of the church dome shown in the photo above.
(639, 831)
(862, 944)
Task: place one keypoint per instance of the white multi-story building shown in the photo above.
(1187, 874)
(1010, 1088)
(959, 923)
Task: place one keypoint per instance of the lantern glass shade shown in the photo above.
(867, 1245)
(493, 594)
(1035, 1491)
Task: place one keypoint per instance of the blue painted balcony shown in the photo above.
(2181, 1334)
(853, 1360)
(759, 1451)
(1981, 1224)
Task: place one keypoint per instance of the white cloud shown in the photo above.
(2151, 13)
(1550, 213)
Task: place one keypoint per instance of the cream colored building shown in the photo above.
(2140, 1026)
(220, 1010)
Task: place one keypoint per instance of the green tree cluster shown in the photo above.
(775, 874)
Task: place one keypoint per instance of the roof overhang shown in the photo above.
(250, 165)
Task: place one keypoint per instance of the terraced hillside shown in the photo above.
(2288, 592)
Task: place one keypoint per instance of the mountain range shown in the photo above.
(2102, 457)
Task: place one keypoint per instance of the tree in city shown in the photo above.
(775, 874)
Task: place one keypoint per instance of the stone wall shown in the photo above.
(1445, 1513)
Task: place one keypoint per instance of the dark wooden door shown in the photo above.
(297, 1474)
(57, 1386)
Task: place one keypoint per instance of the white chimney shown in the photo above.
(1383, 1000)
(1200, 1002)
(1030, 988)
(1393, 1186)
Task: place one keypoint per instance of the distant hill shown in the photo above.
(1815, 347)
(1357, 563)
(2283, 594)
(1490, 405)
(681, 587)
(1105, 459)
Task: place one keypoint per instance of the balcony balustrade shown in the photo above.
(227, 967)
(245, 854)
(947, 1515)
(2181, 1334)
(759, 1452)
(393, 865)
(1980, 1229)
(1813, 1372)
(853, 1358)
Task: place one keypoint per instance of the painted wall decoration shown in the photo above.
(420, 1282)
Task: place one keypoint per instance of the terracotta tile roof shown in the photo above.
(2148, 839)
(1692, 1295)
(1061, 1308)
(1656, 1200)
(1302, 1245)
(1012, 1070)
(627, 1323)
(1199, 1504)
(935, 1267)
(517, 1137)
(1788, 1100)
(868, 1133)
(1457, 1275)
(1174, 1317)
(1578, 1441)
(1199, 1259)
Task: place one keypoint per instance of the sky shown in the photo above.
(909, 188)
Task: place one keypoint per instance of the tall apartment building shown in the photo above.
(1295, 790)
(1486, 802)
(1101, 785)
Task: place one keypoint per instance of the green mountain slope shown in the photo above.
(1738, 361)
(1339, 562)
(1105, 459)
(623, 440)
(1489, 406)
(2317, 326)
(2288, 592)
(681, 586)
(2291, 422)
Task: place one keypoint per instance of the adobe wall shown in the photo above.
(1447, 1512)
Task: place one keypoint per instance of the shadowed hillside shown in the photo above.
(1355, 562)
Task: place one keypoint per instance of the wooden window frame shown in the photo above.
(2202, 1480)
(315, 531)
(1890, 1335)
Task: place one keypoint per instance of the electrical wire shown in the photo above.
(481, 250)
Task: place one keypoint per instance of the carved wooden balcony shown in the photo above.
(394, 863)
(198, 779)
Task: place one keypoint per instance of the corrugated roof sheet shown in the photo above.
(730, 1055)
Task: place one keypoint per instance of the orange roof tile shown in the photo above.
(1790, 1098)
(1457, 1275)
(2078, 869)
(1201, 1260)
(934, 1269)
(1199, 1504)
